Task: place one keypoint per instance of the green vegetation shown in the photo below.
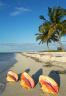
(53, 29)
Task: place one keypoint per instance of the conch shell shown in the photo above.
(12, 76)
(26, 81)
(48, 85)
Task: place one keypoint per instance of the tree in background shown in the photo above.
(54, 28)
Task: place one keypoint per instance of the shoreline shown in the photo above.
(29, 61)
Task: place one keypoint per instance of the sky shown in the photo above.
(19, 19)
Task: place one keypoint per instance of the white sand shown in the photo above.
(58, 61)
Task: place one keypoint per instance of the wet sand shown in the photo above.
(35, 68)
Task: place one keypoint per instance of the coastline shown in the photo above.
(34, 62)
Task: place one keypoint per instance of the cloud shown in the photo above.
(19, 10)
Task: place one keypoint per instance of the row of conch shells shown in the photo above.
(48, 85)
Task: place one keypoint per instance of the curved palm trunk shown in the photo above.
(60, 45)
(59, 41)
(48, 46)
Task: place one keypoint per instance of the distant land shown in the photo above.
(27, 47)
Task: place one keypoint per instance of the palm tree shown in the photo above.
(54, 28)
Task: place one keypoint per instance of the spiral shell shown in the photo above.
(12, 76)
(26, 81)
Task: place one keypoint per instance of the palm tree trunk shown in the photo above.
(60, 45)
(59, 42)
(48, 47)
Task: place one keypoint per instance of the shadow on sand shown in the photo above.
(55, 75)
(19, 75)
(7, 60)
(36, 75)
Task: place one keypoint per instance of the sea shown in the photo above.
(28, 47)
(8, 57)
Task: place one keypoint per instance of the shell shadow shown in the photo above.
(36, 75)
(26, 70)
(55, 75)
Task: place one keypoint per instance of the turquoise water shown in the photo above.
(27, 47)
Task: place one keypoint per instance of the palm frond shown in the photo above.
(54, 28)
(44, 27)
(42, 17)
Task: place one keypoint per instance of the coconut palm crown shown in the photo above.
(54, 28)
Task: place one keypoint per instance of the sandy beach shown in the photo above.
(35, 63)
